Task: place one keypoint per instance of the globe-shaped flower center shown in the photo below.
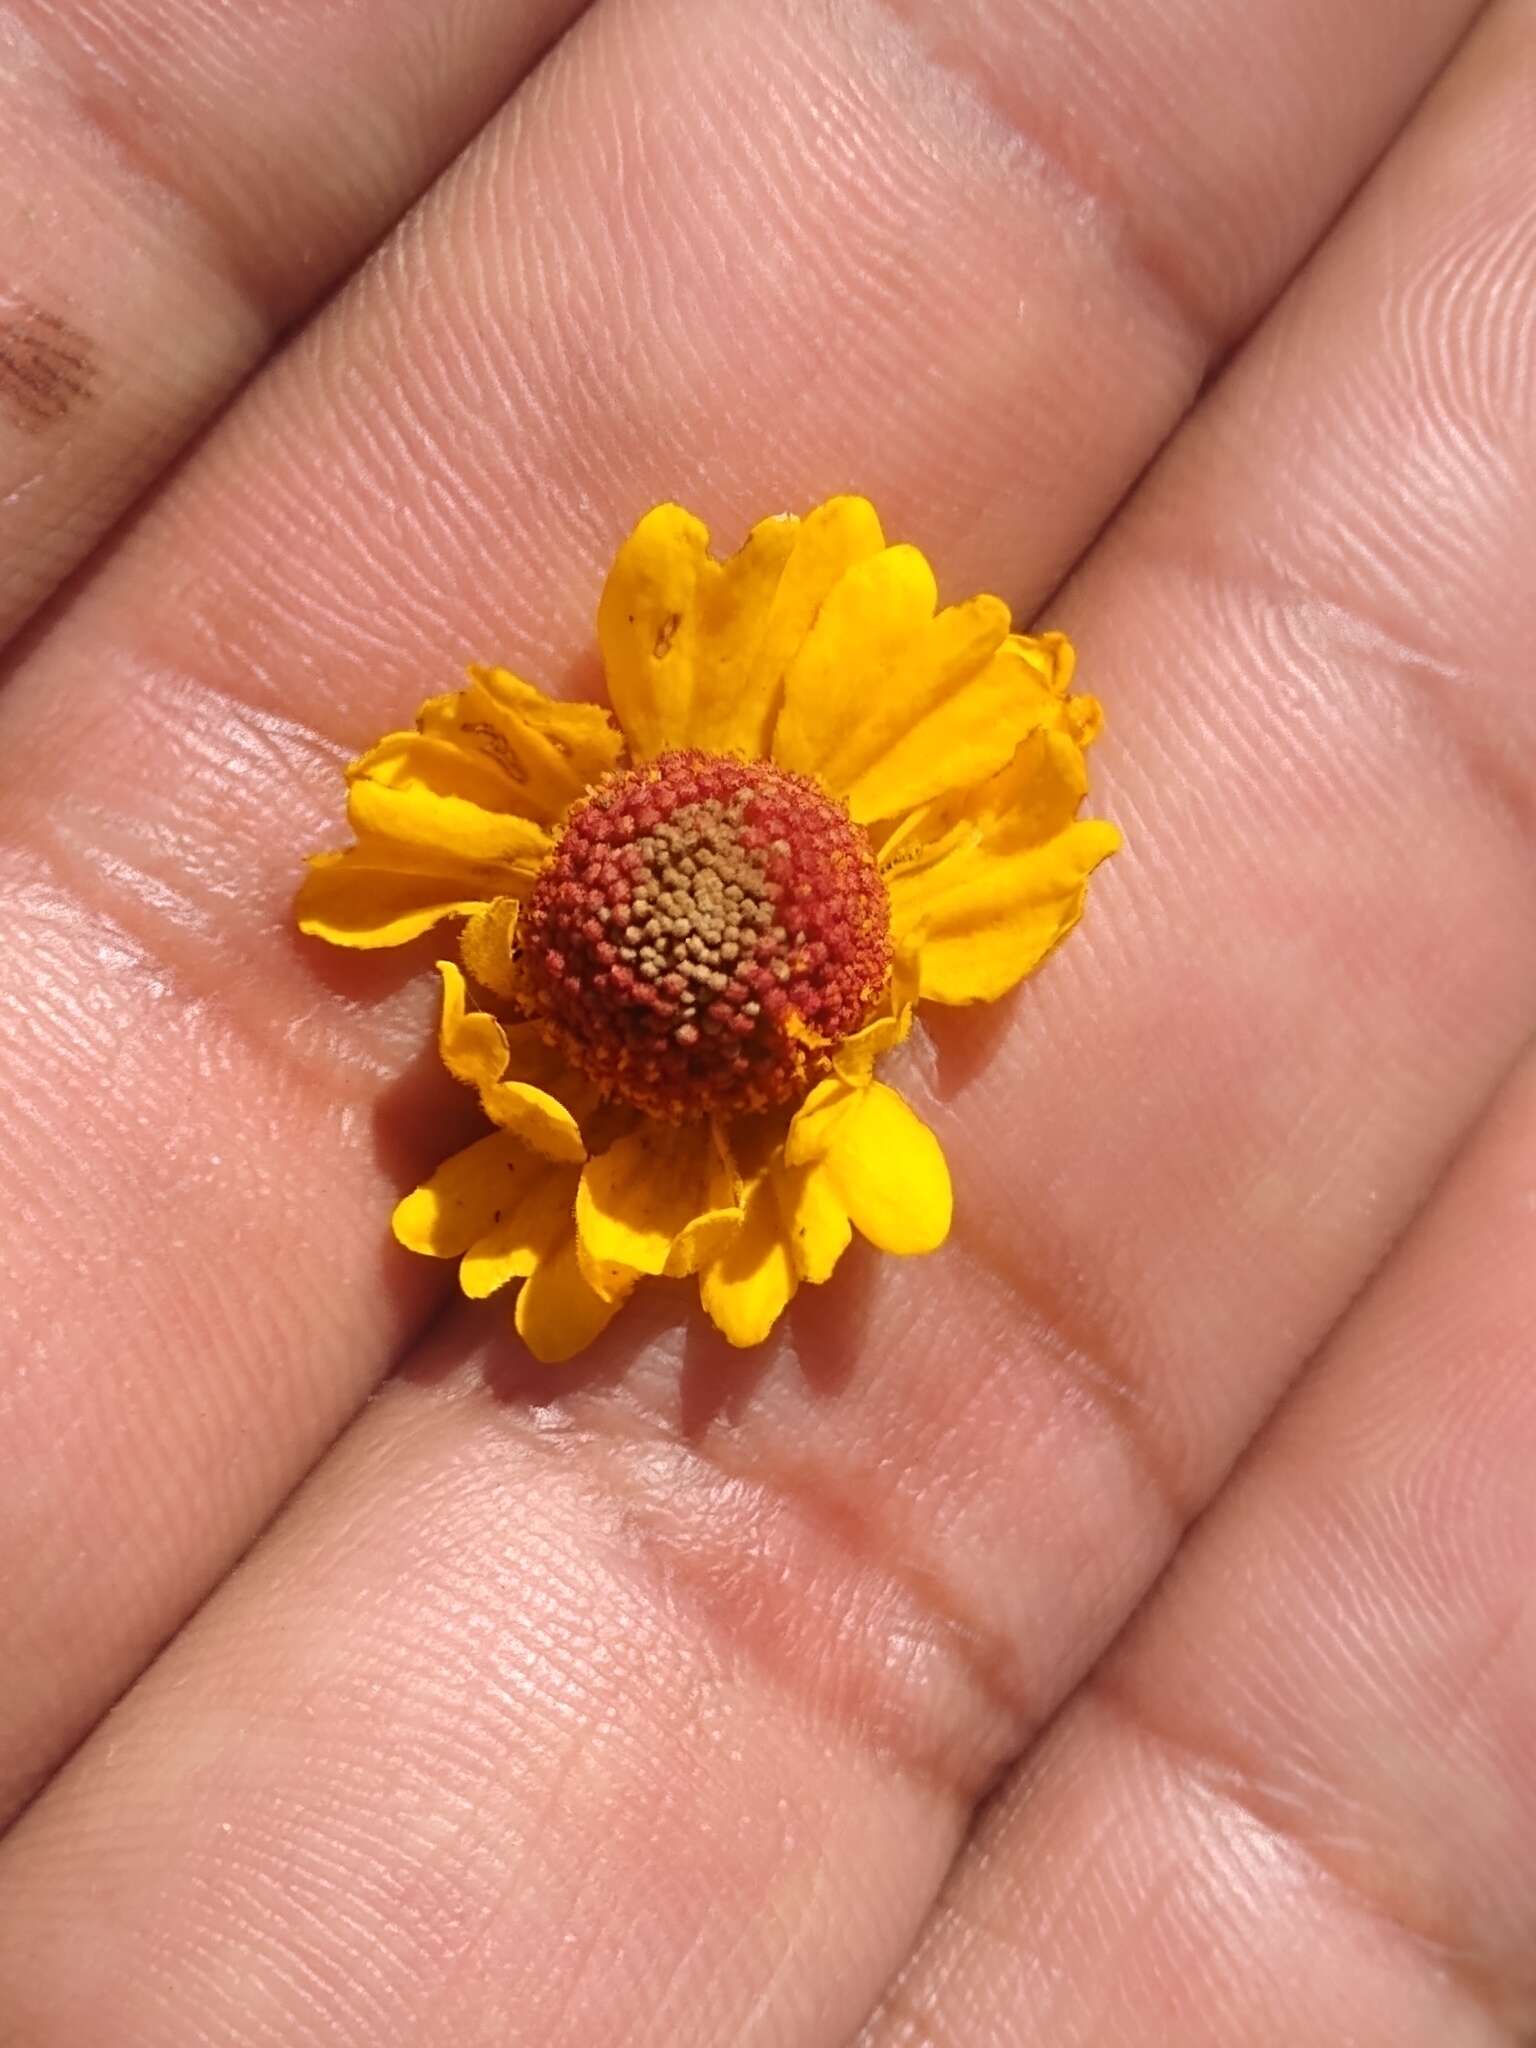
(705, 933)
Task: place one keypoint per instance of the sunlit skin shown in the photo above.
(650, 1699)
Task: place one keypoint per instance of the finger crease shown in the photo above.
(1233, 1784)
(761, 1586)
(1081, 185)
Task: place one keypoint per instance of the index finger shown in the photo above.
(181, 183)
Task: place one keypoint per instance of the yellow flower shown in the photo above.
(697, 923)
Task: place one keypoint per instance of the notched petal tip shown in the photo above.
(879, 1160)
(695, 647)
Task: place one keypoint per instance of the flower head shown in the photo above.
(703, 930)
(695, 925)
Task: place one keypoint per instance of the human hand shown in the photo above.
(651, 1699)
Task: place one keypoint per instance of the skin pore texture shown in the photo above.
(652, 1699)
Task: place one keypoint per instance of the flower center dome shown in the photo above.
(705, 932)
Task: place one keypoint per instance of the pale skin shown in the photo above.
(654, 1699)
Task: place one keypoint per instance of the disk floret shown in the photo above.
(705, 933)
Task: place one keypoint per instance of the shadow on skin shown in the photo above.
(420, 1118)
(965, 1042)
(364, 977)
(663, 1331)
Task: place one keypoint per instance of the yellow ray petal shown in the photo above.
(472, 1044)
(476, 1050)
(659, 1200)
(829, 541)
(695, 649)
(509, 1252)
(612, 1282)
(546, 752)
(747, 1285)
(366, 896)
(880, 1160)
(1054, 660)
(453, 818)
(411, 760)
(1044, 779)
(531, 1227)
(447, 828)
(679, 630)
(537, 1117)
(558, 1313)
(499, 744)
(485, 945)
(984, 885)
(1034, 797)
(889, 703)
(466, 1197)
(815, 1221)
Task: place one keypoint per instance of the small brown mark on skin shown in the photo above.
(47, 367)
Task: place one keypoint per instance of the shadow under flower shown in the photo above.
(661, 1342)
(965, 1042)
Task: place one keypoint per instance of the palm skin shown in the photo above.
(653, 1700)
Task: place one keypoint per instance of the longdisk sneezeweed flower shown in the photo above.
(694, 924)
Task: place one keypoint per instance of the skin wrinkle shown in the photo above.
(581, 1917)
(155, 155)
(460, 1951)
(1522, 841)
(933, 2001)
(160, 935)
(488, 326)
(209, 187)
(593, 1951)
(449, 1729)
(856, 1543)
(1504, 1637)
(197, 993)
(1234, 1785)
(1440, 694)
(218, 243)
(1080, 1358)
(1081, 184)
(294, 1073)
(988, 1661)
(1487, 1989)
